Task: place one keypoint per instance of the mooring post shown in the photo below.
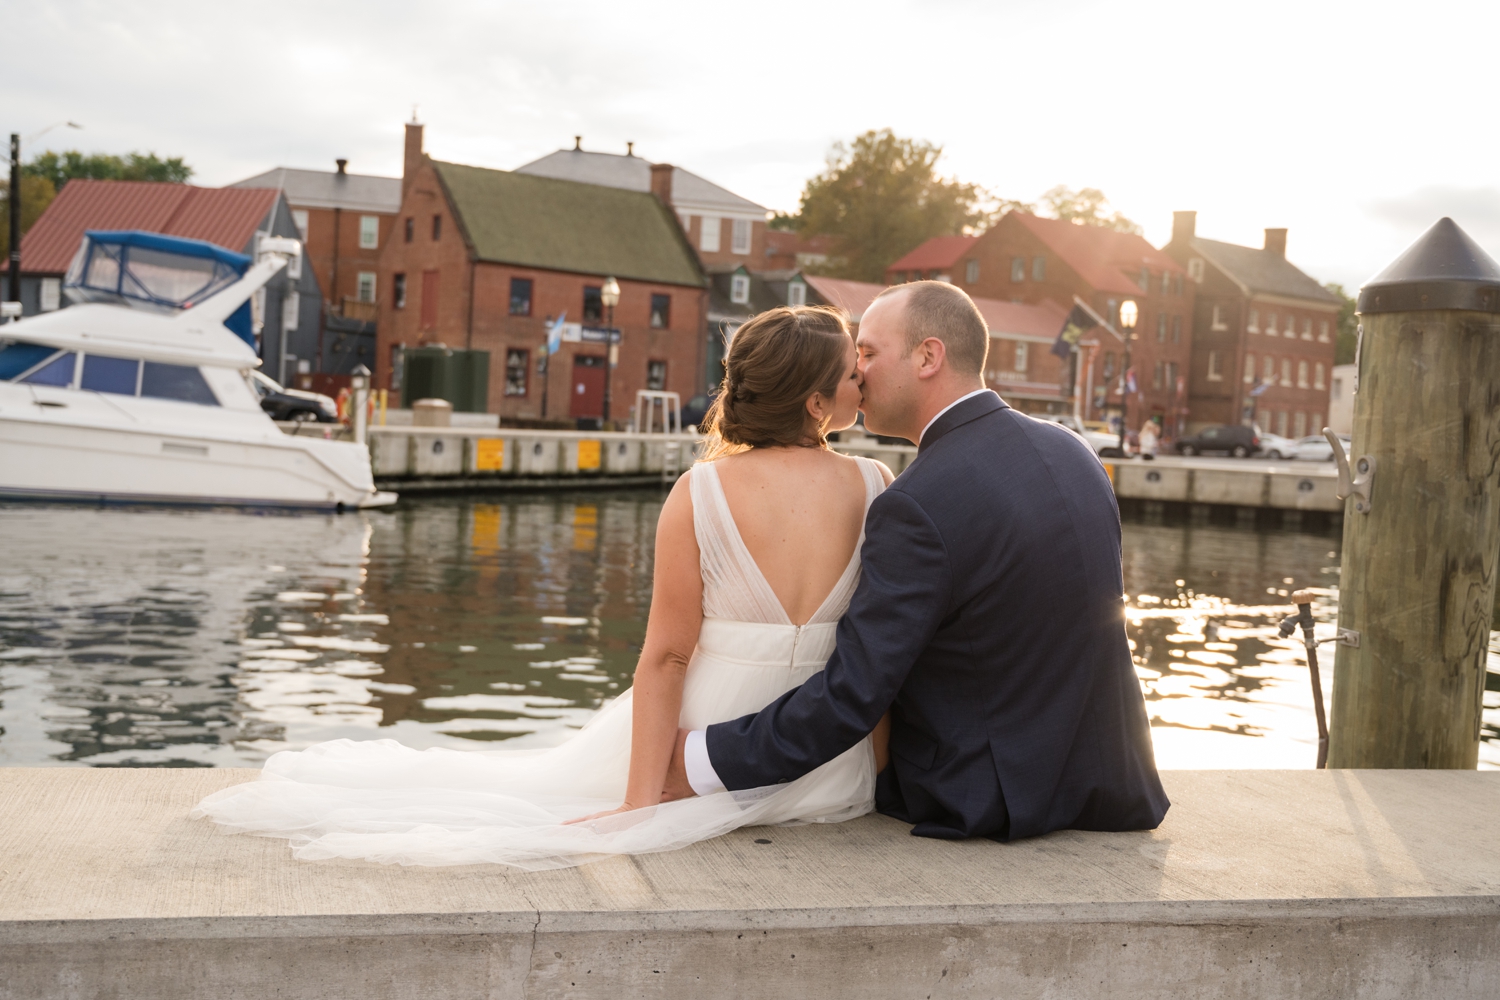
(1422, 526)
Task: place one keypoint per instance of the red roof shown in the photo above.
(1108, 260)
(938, 252)
(854, 297)
(228, 217)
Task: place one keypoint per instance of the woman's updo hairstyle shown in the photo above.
(776, 362)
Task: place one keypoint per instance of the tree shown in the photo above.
(59, 168)
(1086, 207)
(36, 194)
(1344, 349)
(881, 196)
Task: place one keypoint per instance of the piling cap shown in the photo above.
(1444, 269)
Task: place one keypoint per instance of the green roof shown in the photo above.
(560, 225)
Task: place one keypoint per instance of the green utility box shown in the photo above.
(460, 377)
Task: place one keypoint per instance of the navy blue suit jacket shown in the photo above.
(990, 620)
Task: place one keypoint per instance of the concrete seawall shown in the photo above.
(1260, 883)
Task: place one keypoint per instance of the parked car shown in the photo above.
(1274, 445)
(1226, 439)
(292, 404)
(1091, 431)
(1315, 448)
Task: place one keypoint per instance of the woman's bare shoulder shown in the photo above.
(885, 471)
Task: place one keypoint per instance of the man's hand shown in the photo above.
(676, 785)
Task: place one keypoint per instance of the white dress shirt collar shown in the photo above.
(945, 409)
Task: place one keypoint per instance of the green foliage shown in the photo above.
(879, 197)
(1344, 350)
(36, 194)
(59, 168)
(782, 221)
(1086, 207)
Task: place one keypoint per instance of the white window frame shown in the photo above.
(1270, 330)
(1302, 375)
(1249, 369)
(294, 264)
(741, 235)
(299, 219)
(708, 234)
(739, 289)
(1215, 369)
(369, 232)
(1286, 372)
(49, 295)
(1320, 376)
(1323, 332)
(1307, 329)
(1218, 321)
(971, 272)
(1268, 371)
(1254, 324)
(365, 279)
(1017, 270)
(1195, 269)
(796, 293)
(1023, 357)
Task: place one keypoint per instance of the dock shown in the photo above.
(1368, 884)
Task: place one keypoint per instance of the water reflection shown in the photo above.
(137, 637)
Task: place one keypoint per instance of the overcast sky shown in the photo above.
(1354, 125)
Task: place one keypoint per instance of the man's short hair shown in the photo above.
(939, 309)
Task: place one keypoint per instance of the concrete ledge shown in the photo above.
(1260, 883)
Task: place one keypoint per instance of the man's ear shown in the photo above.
(932, 354)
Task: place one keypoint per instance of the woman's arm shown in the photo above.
(671, 635)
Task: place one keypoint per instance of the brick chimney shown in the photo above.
(661, 182)
(413, 159)
(1184, 226)
(343, 166)
(1276, 242)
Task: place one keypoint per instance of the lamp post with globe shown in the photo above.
(609, 295)
(1129, 313)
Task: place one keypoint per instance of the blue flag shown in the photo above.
(1079, 322)
(554, 333)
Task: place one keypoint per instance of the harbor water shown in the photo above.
(139, 637)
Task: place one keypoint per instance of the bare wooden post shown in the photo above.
(1422, 534)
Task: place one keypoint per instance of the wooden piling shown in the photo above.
(1417, 585)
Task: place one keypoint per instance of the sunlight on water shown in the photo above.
(138, 637)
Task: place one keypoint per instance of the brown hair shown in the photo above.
(777, 361)
(938, 309)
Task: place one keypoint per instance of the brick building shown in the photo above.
(788, 251)
(1264, 333)
(485, 259)
(933, 260)
(1027, 259)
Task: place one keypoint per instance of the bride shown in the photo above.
(757, 555)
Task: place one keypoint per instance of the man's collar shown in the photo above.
(959, 412)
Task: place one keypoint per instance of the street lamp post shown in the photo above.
(1129, 313)
(610, 296)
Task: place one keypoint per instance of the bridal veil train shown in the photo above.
(381, 801)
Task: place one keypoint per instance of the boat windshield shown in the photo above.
(17, 357)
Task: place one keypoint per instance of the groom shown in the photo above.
(989, 619)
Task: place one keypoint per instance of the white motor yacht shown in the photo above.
(106, 402)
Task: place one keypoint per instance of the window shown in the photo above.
(50, 295)
(120, 376)
(1299, 424)
(1281, 423)
(1268, 370)
(1172, 376)
(1161, 329)
(661, 311)
(1302, 374)
(1195, 269)
(971, 272)
(739, 289)
(179, 382)
(1270, 324)
(1318, 375)
(58, 372)
(1336, 389)
(1323, 332)
(1023, 356)
(291, 309)
(1156, 375)
(1307, 329)
(1039, 269)
(437, 228)
(687, 221)
(1109, 364)
(708, 234)
(398, 291)
(656, 376)
(1111, 309)
(739, 240)
(1214, 372)
(1144, 280)
(1166, 283)
(299, 219)
(411, 228)
(1018, 269)
(369, 232)
(520, 296)
(593, 304)
(19, 357)
(517, 366)
(1254, 325)
(1286, 371)
(796, 293)
(1176, 329)
(1218, 320)
(1316, 423)
(1249, 368)
(366, 286)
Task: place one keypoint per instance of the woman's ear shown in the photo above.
(817, 407)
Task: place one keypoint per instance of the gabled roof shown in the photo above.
(690, 192)
(1108, 260)
(227, 217)
(1263, 271)
(937, 252)
(330, 189)
(513, 218)
(854, 297)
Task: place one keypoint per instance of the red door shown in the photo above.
(429, 304)
(586, 389)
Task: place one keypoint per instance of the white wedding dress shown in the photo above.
(381, 801)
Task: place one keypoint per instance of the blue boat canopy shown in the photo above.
(153, 271)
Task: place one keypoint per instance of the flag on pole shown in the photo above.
(1080, 321)
(554, 333)
(1260, 387)
(1130, 386)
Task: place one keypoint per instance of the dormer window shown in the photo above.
(1195, 269)
(739, 289)
(796, 293)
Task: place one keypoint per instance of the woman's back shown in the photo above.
(778, 529)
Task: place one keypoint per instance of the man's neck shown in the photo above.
(940, 402)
